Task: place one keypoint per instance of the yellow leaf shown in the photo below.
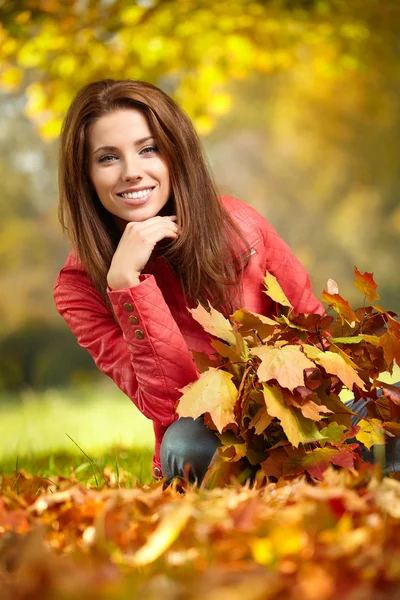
(298, 429)
(370, 433)
(260, 421)
(168, 530)
(215, 323)
(335, 364)
(285, 364)
(249, 321)
(274, 291)
(212, 393)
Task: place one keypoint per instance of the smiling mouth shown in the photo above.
(136, 195)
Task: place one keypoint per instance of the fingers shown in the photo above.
(156, 227)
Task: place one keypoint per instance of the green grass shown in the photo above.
(41, 432)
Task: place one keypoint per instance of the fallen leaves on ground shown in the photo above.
(290, 539)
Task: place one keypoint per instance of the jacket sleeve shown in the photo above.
(140, 347)
(290, 273)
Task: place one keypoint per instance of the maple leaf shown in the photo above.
(335, 364)
(370, 432)
(341, 306)
(204, 362)
(391, 392)
(308, 402)
(391, 347)
(214, 322)
(316, 461)
(391, 427)
(274, 291)
(366, 285)
(333, 433)
(298, 429)
(212, 393)
(168, 530)
(356, 339)
(285, 364)
(260, 421)
(233, 448)
(250, 322)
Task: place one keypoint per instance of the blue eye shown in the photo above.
(107, 158)
(149, 150)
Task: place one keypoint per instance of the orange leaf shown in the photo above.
(215, 323)
(212, 393)
(308, 407)
(249, 321)
(168, 530)
(297, 428)
(260, 421)
(391, 347)
(285, 364)
(335, 364)
(366, 285)
(341, 306)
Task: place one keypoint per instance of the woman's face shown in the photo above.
(125, 167)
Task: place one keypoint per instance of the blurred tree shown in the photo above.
(191, 48)
(298, 102)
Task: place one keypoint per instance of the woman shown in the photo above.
(150, 238)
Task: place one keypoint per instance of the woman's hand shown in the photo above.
(135, 248)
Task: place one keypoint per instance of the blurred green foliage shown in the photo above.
(52, 431)
(298, 104)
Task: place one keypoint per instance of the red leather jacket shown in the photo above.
(146, 350)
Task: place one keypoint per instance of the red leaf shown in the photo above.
(341, 306)
(366, 285)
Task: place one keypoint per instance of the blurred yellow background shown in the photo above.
(298, 106)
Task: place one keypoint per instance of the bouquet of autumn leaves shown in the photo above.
(271, 391)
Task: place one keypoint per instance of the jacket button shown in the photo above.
(128, 307)
(133, 320)
(157, 473)
(139, 334)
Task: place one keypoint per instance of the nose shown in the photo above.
(132, 170)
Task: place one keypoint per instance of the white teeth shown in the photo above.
(139, 194)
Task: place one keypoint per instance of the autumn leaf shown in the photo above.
(366, 285)
(204, 362)
(391, 427)
(224, 350)
(285, 364)
(214, 322)
(356, 339)
(168, 530)
(249, 322)
(274, 291)
(215, 393)
(308, 407)
(341, 306)
(391, 347)
(370, 432)
(333, 433)
(346, 357)
(297, 428)
(332, 286)
(391, 392)
(336, 365)
(232, 448)
(315, 462)
(260, 421)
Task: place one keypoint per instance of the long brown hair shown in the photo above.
(206, 256)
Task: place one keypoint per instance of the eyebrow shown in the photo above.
(138, 142)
